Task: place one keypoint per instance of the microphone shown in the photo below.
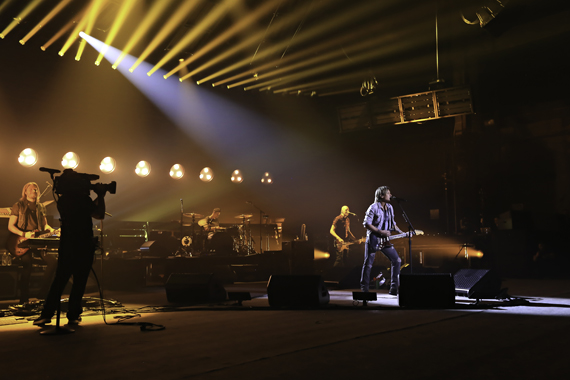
(50, 171)
(351, 213)
(397, 198)
(249, 202)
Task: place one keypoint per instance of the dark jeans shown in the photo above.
(26, 260)
(76, 264)
(340, 257)
(369, 255)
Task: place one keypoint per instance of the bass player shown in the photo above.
(340, 230)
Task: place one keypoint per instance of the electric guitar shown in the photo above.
(342, 246)
(386, 240)
(15, 240)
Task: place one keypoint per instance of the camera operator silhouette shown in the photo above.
(77, 243)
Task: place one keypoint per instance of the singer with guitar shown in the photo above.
(379, 222)
(28, 218)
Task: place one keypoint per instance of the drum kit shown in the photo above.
(199, 238)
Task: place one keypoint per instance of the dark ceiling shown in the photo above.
(308, 47)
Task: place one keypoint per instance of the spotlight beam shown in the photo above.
(63, 30)
(358, 35)
(33, 5)
(90, 12)
(171, 24)
(363, 52)
(125, 8)
(91, 16)
(387, 71)
(289, 19)
(332, 24)
(239, 26)
(158, 8)
(5, 5)
(45, 20)
(214, 15)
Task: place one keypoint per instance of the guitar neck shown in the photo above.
(405, 234)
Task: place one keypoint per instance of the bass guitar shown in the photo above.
(385, 241)
(342, 246)
(14, 241)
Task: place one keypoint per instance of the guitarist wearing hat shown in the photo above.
(27, 219)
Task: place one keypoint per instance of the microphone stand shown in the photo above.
(181, 251)
(261, 215)
(410, 230)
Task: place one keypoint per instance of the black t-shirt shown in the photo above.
(342, 226)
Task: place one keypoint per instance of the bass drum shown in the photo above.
(222, 243)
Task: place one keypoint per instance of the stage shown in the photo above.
(523, 338)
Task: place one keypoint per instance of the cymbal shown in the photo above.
(192, 214)
(242, 216)
(173, 224)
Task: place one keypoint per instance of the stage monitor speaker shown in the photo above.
(194, 288)
(297, 291)
(477, 283)
(426, 290)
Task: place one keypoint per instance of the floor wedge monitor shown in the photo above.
(477, 283)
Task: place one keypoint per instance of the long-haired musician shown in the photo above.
(28, 217)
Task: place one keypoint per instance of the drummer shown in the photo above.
(210, 225)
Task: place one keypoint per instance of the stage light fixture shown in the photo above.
(108, 165)
(267, 179)
(28, 157)
(70, 160)
(236, 177)
(177, 171)
(206, 174)
(142, 169)
(56, 36)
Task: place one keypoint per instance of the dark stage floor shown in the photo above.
(524, 338)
